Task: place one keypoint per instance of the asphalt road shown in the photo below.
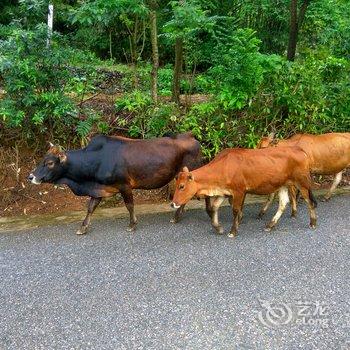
(179, 286)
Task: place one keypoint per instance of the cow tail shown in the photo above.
(313, 199)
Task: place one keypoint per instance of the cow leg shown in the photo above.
(311, 204)
(237, 205)
(208, 206)
(335, 183)
(178, 214)
(283, 201)
(292, 191)
(126, 193)
(92, 205)
(266, 205)
(230, 200)
(215, 214)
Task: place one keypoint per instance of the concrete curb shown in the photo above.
(9, 224)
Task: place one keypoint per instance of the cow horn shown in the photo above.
(51, 144)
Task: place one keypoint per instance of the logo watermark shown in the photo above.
(308, 313)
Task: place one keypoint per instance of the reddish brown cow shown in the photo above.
(328, 154)
(236, 172)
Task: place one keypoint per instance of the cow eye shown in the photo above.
(50, 164)
(181, 186)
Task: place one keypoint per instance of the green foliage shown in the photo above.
(165, 80)
(149, 120)
(310, 96)
(210, 126)
(188, 19)
(90, 122)
(233, 55)
(237, 71)
(105, 13)
(327, 25)
(36, 80)
(257, 94)
(115, 15)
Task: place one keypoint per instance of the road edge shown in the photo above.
(21, 223)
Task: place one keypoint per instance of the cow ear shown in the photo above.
(190, 177)
(271, 136)
(62, 157)
(185, 169)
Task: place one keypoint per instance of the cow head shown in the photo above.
(51, 168)
(267, 141)
(185, 188)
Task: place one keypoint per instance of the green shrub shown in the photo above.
(147, 119)
(40, 87)
(310, 95)
(209, 125)
(165, 80)
(237, 71)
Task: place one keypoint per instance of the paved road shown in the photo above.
(179, 286)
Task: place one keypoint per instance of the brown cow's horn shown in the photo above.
(185, 169)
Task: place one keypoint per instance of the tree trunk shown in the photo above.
(134, 58)
(293, 30)
(295, 24)
(177, 70)
(49, 24)
(302, 13)
(110, 45)
(155, 56)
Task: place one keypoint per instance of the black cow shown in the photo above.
(108, 165)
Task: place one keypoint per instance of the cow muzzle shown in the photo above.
(33, 179)
(173, 205)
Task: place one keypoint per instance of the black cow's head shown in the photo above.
(51, 168)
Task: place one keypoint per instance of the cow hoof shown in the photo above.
(219, 230)
(313, 226)
(325, 199)
(131, 229)
(293, 215)
(81, 231)
(260, 215)
(231, 235)
(268, 229)
(173, 221)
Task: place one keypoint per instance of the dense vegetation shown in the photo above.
(245, 67)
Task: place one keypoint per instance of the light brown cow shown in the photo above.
(236, 172)
(328, 154)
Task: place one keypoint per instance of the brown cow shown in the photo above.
(236, 172)
(110, 165)
(328, 154)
